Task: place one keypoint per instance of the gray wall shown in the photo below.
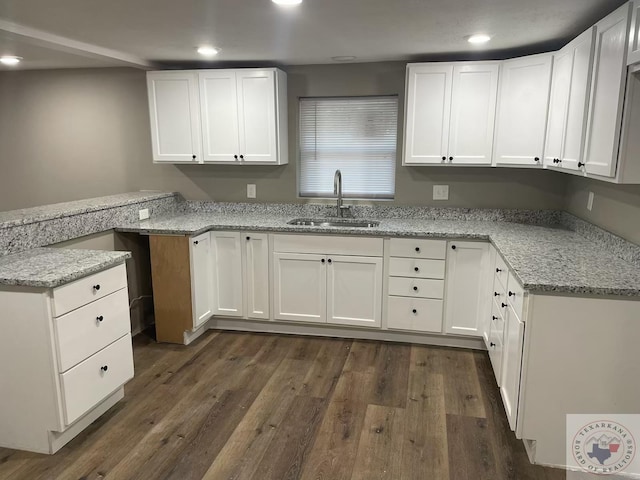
(72, 134)
(615, 207)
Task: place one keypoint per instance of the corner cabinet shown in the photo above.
(221, 116)
(523, 103)
(450, 110)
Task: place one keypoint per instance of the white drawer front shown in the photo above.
(416, 248)
(76, 294)
(501, 272)
(87, 384)
(325, 245)
(416, 287)
(497, 319)
(515, 295)
(416, 268)
(88, 329)
(416, 314)
(499, 293)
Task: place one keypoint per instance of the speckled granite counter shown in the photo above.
(544, 259)
(52, 267)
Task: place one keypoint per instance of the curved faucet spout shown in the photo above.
(337, 190)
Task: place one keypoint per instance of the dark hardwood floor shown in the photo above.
(253, 406)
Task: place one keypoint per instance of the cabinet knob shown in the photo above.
(496, 294)
(537, 159)
(241, 157)
(415, 289)
(414, 311)
(504, 305)
(104, 368)
(416, 269)
(451, 159)
(322, 261)
(492, 344)
(453, 247)
(235, 156)
(96, 287)
(329, 260)
(193, 156)
(444, 158)
(581, 164)
(493, 317)
(418, 249)
(512, 294)
(248, 238)
(196, 242)
(100, 318)
(498, 270)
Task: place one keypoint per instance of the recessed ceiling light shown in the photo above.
(208, 51)
(287, 3)
(10, 60)
(343, 58)
(478, 38)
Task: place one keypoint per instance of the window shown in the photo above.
(354, 134)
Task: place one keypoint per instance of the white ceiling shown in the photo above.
(80, 33)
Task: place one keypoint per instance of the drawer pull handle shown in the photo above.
(100, 318)
(504, 305)
(414, 311)
(416, 269)
(418, 249)
(512, 294)
(104, 368)
(581, 164)
(96, 287)
(498, 270)
(415, 289)
(492, 344)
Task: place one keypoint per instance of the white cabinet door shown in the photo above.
(522, 110)
(257, 115)
(473, 110)
(511, 365)
(487, 320)
(634, 34)
(558, 107)
(354, 290)
(201, 279)
(428, 109)
(219, 112)
(607, 93)
(300, 287)
(227, 274)
(175, 116)
(467, 288)
(256, 267)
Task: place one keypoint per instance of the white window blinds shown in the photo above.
(354, 134)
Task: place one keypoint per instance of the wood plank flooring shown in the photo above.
(253, 406)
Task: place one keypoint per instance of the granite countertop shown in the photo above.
(57, 210)
(544, 259)
(52, 267)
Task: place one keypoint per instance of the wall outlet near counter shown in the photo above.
(251, 190)
(590, 201)
(441, 192)
(143, 214)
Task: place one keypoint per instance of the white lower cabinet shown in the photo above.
(511, 364)
(255, 254)
(467, 287)
(201, 278)
(227, 274)
(60, 372)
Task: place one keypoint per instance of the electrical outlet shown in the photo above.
(143, 214)
(590, 201)
(441, 192)
(251, 190)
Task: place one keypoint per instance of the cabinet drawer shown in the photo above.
(416, 314)
(416, 268)
(88, 329)
(415, 248)
(325, 245)
(515, 295)
(497, 319)
(501, 272)
(495, 354)
(87, 384)
(416, 287)
(76, 294)
(499, 293)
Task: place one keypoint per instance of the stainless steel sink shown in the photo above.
(334, 222)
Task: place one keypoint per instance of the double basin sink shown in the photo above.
(333, 222)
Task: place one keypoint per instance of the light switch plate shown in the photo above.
(251, 190)
(590, 201)
(441, 192)
(143, 214)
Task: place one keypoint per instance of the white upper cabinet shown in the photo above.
(607, 92)
(427, 113)
(569, 103)
(523, 103)
(450, 113)
(634, 34)
(473, 110)
(219, 116)
(174, 111)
